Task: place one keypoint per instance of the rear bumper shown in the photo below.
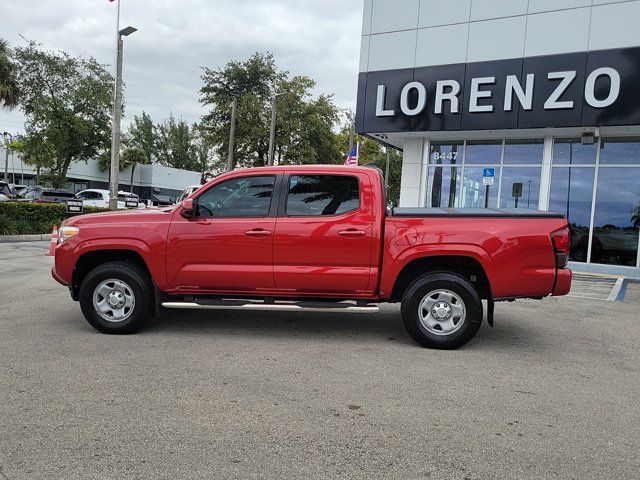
(563, 282)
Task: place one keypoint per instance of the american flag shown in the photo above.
(354, 154)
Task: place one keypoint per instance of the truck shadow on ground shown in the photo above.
(384, 326)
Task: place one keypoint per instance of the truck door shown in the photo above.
(323, 239)
(228, 244)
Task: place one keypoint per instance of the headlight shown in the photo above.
(65, 233)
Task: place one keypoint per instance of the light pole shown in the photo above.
(8, 138)
(117, 114)
(272, 131)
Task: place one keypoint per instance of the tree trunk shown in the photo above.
(133, 167)
(37, 175)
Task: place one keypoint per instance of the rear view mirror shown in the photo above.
(187, 208)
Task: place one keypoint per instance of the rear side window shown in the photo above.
(237, 198)
(317, 195)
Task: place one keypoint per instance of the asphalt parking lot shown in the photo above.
(551, 392)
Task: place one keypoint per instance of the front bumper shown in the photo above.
(563, 282)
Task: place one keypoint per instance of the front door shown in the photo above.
(323, 241)
(228, 245)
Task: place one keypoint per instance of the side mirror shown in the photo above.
(187, 208)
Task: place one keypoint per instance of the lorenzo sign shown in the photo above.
(578, 89)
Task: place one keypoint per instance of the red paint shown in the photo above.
(358, 254)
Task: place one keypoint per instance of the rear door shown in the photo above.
(323, 236)
(228, 245)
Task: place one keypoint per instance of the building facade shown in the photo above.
(513, 103)
(161, 185)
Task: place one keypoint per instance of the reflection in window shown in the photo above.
(572, 194)
(237, 198)
(443, 187)
(483, 153)
(572, 152)
(620, 150)
(520, 187)
(617, 217)
(473, 192)
(521, 152)
(315, 195)
(446, 153)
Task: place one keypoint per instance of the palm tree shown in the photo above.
(8, 82)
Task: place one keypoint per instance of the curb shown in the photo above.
(24, 238)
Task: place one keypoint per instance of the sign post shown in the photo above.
(516, 192)
(488, 178)
(75, 207)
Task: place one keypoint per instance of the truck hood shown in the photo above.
(120, 217)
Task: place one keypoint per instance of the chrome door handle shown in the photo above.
(257, 232)
(352, 233)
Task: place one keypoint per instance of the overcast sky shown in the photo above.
(318, 38)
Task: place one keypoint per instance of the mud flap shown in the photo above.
(490, 309)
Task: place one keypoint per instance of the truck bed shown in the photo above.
(473, 212)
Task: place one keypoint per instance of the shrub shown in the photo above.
(26, 218)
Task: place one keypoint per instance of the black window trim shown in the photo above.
(273, 206)
(284, 196)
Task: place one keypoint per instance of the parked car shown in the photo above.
(94, 197)
(44, 195)
(18, 189)
(6, 192)
(187, 192)
(315, 238)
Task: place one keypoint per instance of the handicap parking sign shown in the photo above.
(488, 176)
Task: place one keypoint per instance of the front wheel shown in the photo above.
(441, 310)
(117, 297)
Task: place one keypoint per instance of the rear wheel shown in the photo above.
(117, 297)
(442, 310)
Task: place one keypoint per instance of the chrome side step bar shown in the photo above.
(274, 307)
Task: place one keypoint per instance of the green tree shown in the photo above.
(174, 144)
(67, 101)
(203, 151)
(133, 157)
(9, 92)
(304, 128)
(373, 153)
(35, 150)
(141, 134)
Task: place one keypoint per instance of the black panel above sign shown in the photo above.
(587, 89)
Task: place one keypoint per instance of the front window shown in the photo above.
(316, 195)
(244, 197)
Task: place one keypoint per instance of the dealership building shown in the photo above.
(513, 104)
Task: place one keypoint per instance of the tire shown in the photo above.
(124, 292)
(441, 310)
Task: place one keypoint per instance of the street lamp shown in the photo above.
(272, 132)
(117, 113)
(8, 138)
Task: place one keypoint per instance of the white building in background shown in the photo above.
(151, 182)
(513, 103)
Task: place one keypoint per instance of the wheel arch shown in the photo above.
(467, 267)
(93, 258)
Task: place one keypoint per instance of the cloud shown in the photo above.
(176, 38)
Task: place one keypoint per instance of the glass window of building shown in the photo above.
(617, 217)
(620, 151)
(476, 195)
(572, 152)
(483, 153)
(523, 152)
(444, 184)
(572, 194)
(448, 153)
(520, 187)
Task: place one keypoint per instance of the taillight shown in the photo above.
(561, 240)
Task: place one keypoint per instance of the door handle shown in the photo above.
(352, 233)
(257, 232)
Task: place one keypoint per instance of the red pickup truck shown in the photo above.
(317, 238)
